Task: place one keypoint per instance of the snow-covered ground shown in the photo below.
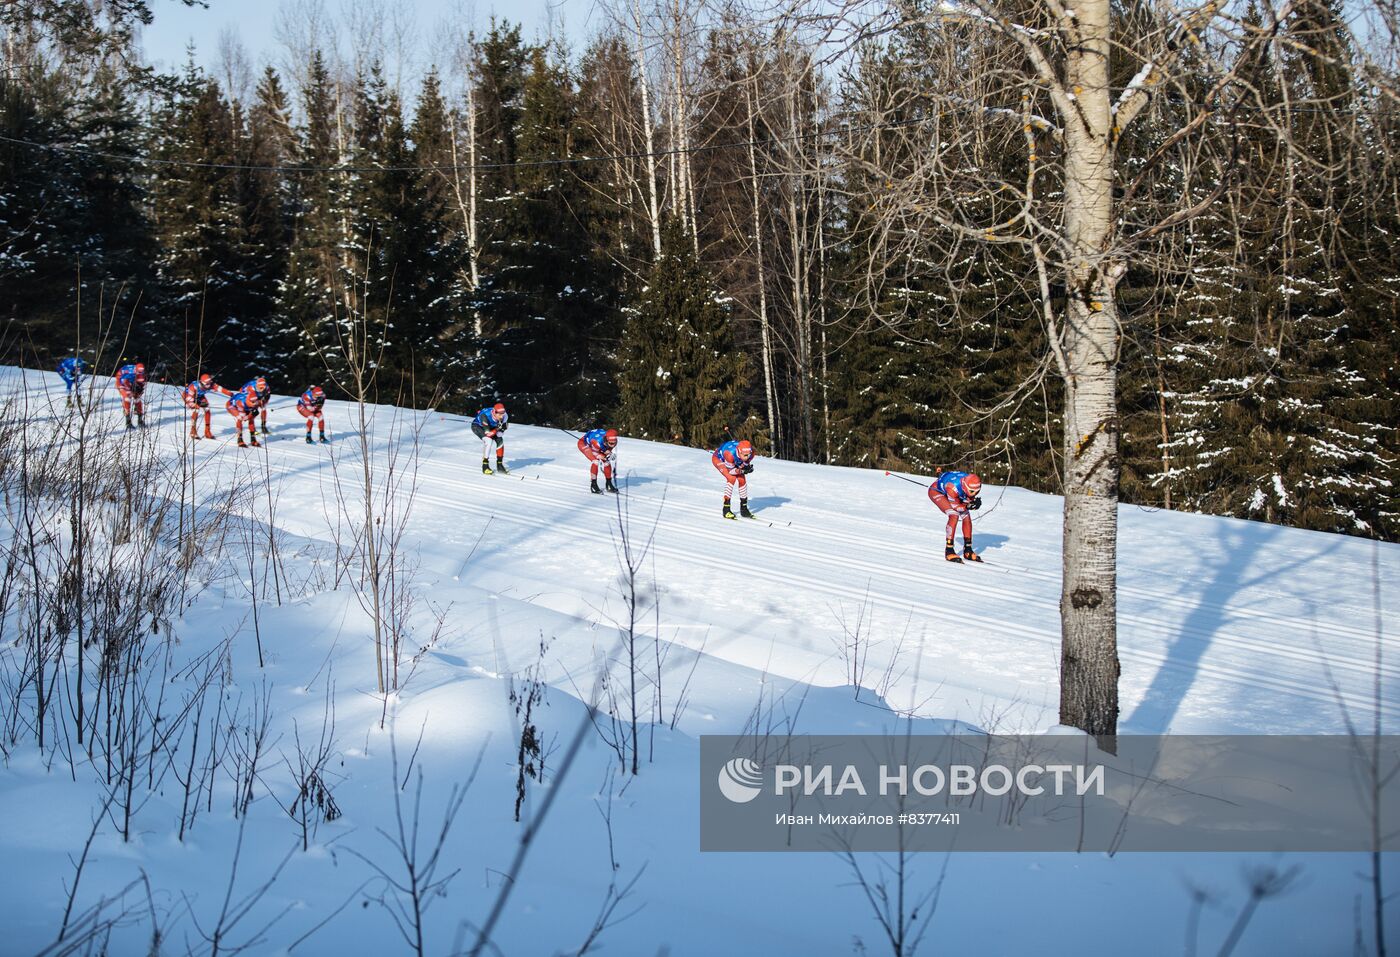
(1225, 627)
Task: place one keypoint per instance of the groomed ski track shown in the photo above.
(1242, 618)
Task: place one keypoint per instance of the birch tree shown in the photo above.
(1063, 84)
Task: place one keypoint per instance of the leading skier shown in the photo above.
(734, 460)
(311, 407)
(957, 495)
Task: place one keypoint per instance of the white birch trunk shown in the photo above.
(471, 192)
(346, 265)
(1089, 665)
(685, 181)
(821, 314)
(765, 335)
(801, 315)
(466, 204)
(653, 207)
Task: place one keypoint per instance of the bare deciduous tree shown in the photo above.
(1086, 199)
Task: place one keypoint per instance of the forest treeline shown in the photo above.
(700, 223)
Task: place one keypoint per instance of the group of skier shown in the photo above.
(248, 405)
(733, 459)
(956, 494)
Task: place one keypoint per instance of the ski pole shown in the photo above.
(906, 479)
(566, 432)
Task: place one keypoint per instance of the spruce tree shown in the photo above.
(680, 375)
(446, 348)
(312, 294)
(543, 294)
(204, 262)
(1280, 420)
(364, 327)
(1372, 343)
(498, 80)
(935, 362)
(270, 145)
(74, 226)
(608, 100)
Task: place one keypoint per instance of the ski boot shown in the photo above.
(194, 434)
(324, 440)
(253, 440)
(241, 444)
(969, 555)
(486, 467)
(949, 555)
(308, 439)
(128, 423)
(593, 486)
(208, 432)
(501, 467)
(744, 508)
(141, 419)
(728, 512)
(612, 487)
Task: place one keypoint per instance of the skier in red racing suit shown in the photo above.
(957, 495)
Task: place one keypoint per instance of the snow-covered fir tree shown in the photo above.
(680, 375)
(75, 237)
(545, 292)
(312, 294)
(206, 266)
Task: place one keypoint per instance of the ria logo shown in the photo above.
(741, 780)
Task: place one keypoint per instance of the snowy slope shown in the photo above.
(1225, 626)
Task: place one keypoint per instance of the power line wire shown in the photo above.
(590, 158)
(456, 167)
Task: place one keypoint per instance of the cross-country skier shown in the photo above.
(957, 495)
(71, 371)
(244, 409)
(131, 383)
(734, 460)
(600, 447)
(263, 391)
(196, 397)
(310, 407)
(488, 426)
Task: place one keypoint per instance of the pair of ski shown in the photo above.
(957, 560)
(754, 518)
(508, 472)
